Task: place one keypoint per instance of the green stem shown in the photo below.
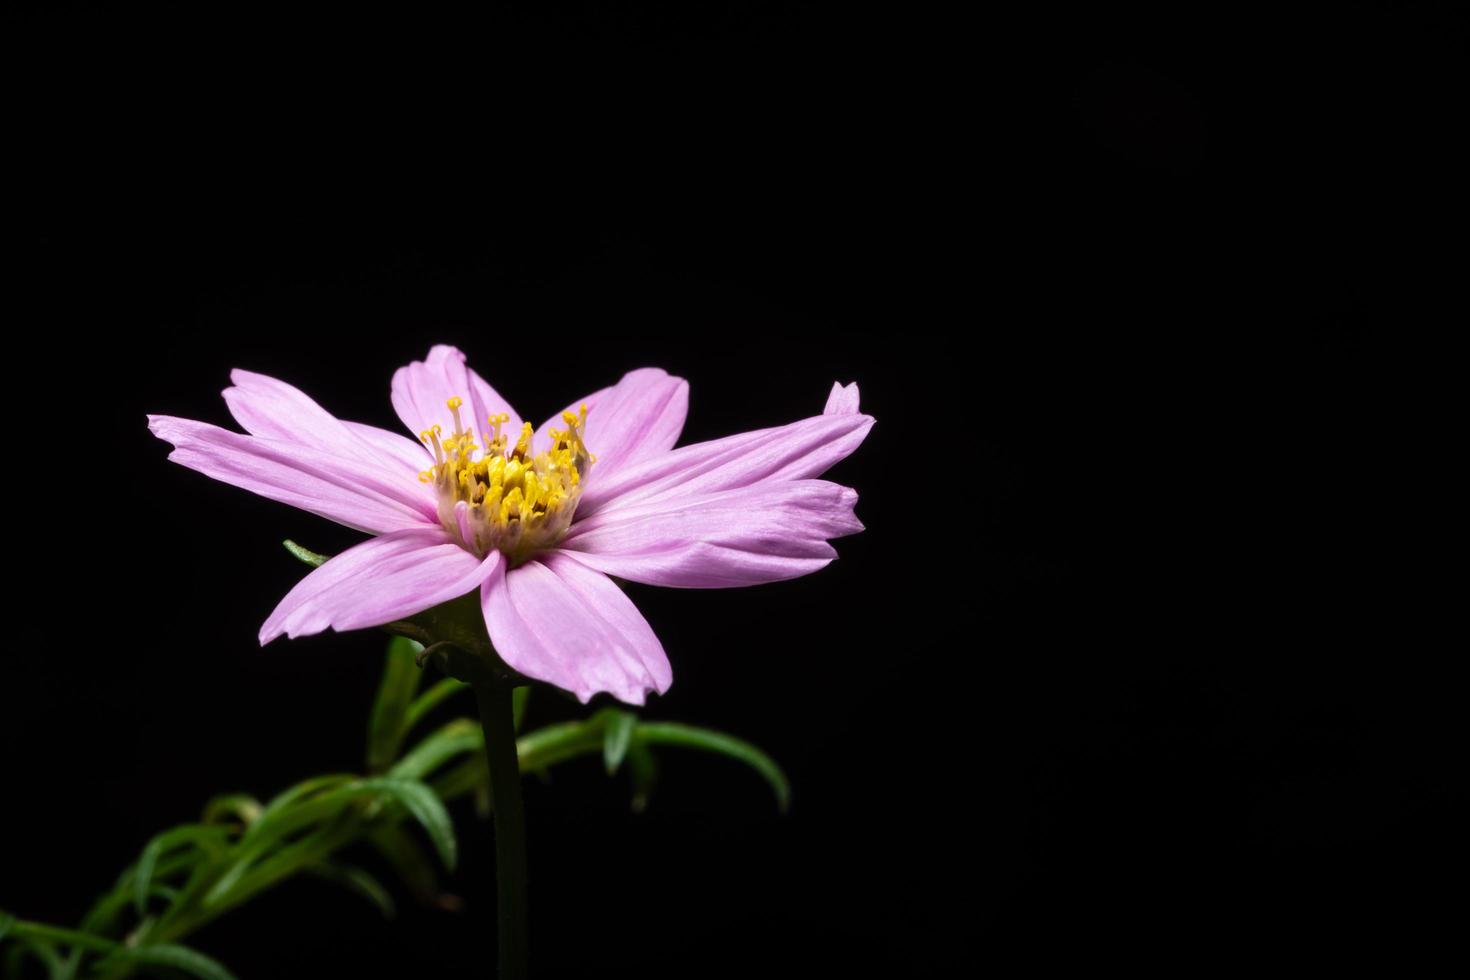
(497, 718)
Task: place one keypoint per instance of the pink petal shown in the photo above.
(270, 408)
(410, 454)
(592, 401)
(346, 490)
(790, 452)
(842, 401)
(379, 581)
(756, 534)
(555, 620)
(640, 416)
(463, 522)
(421, 392)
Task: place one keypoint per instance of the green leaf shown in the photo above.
(708, 740)
(181, 958)
(431, 699)
(102, 918)
(426, 808)
(484, 805)
(334, 817)
(309, 557)
(248, 876)
(461, 779)
(644, 769)
(192, 833)
(241, 806)
(307, 804)
(355, 879)
(40, 932)
(277, 811)
(518, 699)
(40, 949)
(616, 737)
(6, 921)
(458, 736)
(408, 861)
(390, 711)
(551, 744)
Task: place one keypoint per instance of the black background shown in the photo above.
(1134, 663)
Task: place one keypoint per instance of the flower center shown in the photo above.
(507, 499)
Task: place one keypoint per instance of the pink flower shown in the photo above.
(536, 520)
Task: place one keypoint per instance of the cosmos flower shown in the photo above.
(536, 520)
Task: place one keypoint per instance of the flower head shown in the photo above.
(536, 520)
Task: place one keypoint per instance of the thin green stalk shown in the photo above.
(497, 718)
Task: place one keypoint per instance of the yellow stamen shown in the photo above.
(523, 444)
(454, 404)
(520, 501)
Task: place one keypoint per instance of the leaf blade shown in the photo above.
(189, 833)
(424, 806)
(644, 769)
(388, 723)
(616, 737)
(431, 699)
(518, 699)
(709, 740)
(241, 806)
(408, 861)
(181, 958)
(358, 881)
(460, 735)
(555, 743)
(301, 554)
